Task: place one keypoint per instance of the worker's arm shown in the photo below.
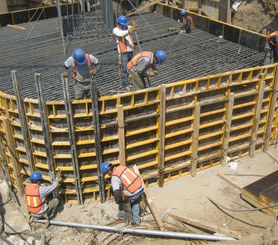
(120, 33)
(116, 186)
(67, 64)
(117, 196)
(46, 190)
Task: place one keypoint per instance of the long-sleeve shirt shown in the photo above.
(144, 64)
(82, 71)
(119, 33)
(45, 191)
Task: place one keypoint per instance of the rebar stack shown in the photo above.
(188, 55)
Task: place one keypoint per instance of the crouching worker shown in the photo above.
(140, 64)
(36, 197)
(128, 189)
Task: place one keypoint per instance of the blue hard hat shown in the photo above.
(183, 12)
(79, 56)
(36, 176)
(122, 20)
(160, 55)
(104, 167)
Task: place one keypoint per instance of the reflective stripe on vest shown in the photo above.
(74, 65)
(272, 35)
(33, 200)
(130, 180)
(134, 61)
(191, 21)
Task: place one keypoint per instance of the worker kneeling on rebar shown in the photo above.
(140, 64)
(84, 66)
(36, 195)
(271, 52)
(128, 190)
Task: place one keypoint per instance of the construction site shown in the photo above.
(203, 133)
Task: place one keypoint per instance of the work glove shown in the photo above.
(93, 72)
(59, 175)
(133, 26)
(152, 73)
(65, 74)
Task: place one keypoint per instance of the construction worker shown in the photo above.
(272, 47)
(36, 197)
(125, 46)
(142, 62)
(84, 66)
(187, 20)
(128, 189)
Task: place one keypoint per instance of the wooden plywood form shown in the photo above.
(263, 192)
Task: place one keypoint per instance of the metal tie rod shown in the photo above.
(152, 233)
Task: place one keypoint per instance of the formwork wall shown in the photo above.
(167, 131)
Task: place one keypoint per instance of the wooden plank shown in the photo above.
(229, 181)
(227, 128)
(268, 133)
(16, 27)
(151, 205)
(161, 146)
(256, 120)
(206, 226)
(121, 134)
(196, 126)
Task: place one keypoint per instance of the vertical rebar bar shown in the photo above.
(23, 121)
(61, 25)
(95, 111)
(68, 109)
(45, 128)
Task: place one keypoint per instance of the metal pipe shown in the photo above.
(151, 233)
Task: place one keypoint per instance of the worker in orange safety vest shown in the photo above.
(125, 46)
(36, 194)
(272, 45)
(140, 64)
(128, 189)
(84, 65)
(187, 20)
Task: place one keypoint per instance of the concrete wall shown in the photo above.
(3, 6)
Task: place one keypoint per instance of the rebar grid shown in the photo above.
(188, 55)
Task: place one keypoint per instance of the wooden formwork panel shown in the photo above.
(168, 131)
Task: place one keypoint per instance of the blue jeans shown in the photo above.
(126, 57)
(135, 208)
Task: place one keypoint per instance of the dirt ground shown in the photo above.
(187, 196)
(255, 15)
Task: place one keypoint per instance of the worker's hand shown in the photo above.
(65, 74)
(59, 175)
(152, 73)
(133, 24)
(93, 72)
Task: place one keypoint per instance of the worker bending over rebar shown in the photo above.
(128, 191)
(187, 21)
(84, 67)
(140, 64)
(125, 47)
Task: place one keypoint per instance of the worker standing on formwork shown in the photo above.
(142, 62)
(272, 48)
(84, 66)
(187, 20)
(125, 47)
(128, 190)
(36, 194)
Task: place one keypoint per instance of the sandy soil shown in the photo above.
(187, 196)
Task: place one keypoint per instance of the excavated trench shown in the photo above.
(39, 49)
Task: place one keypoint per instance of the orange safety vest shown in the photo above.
(191, 21)
(122, 43)
(74, 65)
(130, 180)
(33, 199)
(134, 61)
(272, 35)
